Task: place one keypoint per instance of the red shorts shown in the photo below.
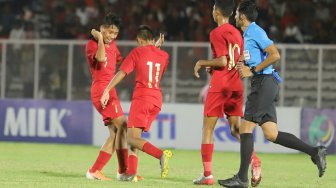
(142, 114)
(113, 108)
(228, 102)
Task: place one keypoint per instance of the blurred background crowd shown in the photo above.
(55, 62)
(286, 21)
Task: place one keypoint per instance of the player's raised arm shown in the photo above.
(115, 81)
(160, 41)
(100, 54)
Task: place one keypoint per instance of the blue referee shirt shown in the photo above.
(255, 43)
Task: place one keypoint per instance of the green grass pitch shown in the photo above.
(56, 165)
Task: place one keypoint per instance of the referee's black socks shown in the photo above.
(290, 141)
(246, 148)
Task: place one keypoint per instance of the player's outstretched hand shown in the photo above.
(196, 69)
(244, 71)
(96, 34)
(104, 99)
(160, 41)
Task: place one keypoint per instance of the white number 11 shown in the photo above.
(150, 74)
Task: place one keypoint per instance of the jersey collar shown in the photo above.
(252, 24)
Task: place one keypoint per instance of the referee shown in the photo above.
(260, 54)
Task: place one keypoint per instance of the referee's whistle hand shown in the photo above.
(244, 71)
(241, 58)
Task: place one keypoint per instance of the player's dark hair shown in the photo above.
(225, 7)
(249, 9)
(112, 19)
(145, 32)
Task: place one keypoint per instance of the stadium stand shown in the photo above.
(308, 70)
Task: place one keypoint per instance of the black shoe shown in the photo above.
(320, 159)
(233, 182)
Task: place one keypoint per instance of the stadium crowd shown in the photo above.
(286, 21)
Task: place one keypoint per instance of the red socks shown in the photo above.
(101, 161)
(206, 151)
(152, 150)
(122, 155)
(132, 165)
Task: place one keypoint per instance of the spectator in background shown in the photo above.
(305, 13)
(288, 17)
(322, 12)
(173, 25)
(27, 71)
(320, 35)
(16, 33)
(85, 13)
(30, 31)
(7, 18)
(27, 14)
(43, 20)
(263, 17)
(27, 66)
(273, 30)
(292, 33)
(182, 20)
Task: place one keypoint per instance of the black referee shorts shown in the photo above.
(260, 105)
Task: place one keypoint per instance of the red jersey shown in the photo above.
(227, 41)
(149, 63)
(102, 72)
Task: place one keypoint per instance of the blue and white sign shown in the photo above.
(46, 121)
(180, 126)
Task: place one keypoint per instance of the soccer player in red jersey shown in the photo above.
(225, 94)
(149, 64)
(260, 54)
(102, 56)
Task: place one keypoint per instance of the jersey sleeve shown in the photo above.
(91, 50)
(128, 64)
(219, 44)
(262, 40)
(119, 57)
(166, 63)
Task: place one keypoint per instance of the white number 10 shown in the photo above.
(150, 74)
(232, 55)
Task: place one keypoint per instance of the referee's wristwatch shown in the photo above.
(253, 70)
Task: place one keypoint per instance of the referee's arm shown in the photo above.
(273, 57)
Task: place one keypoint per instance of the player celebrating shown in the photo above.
(260, 54)
(149, 63)
(102, 56)
(225, 94)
